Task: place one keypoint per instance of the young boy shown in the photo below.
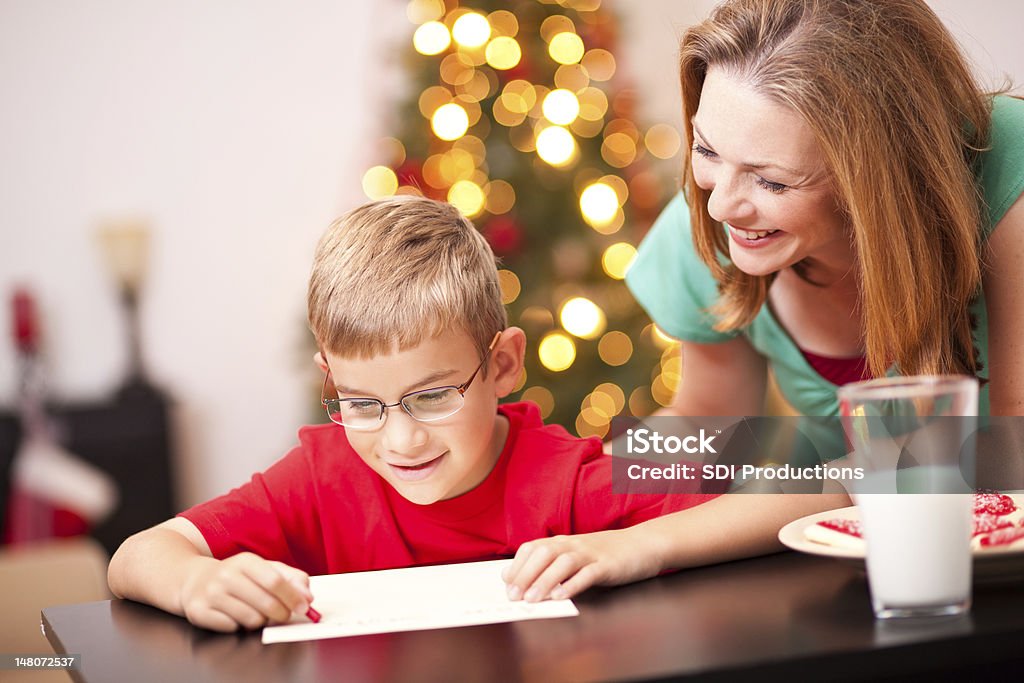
(425, 467)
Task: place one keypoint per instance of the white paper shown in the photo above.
(413, 599)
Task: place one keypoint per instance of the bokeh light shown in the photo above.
(615, 348)
(420, 11)
(662, 140)
(582, 317)
(501, 197)
(544, 399)
(503, 23)
(600, 64)
(450, 121)
(556, 351)
(566, 48)
(617, 259)
(599, 204)
(593, 104)
(510, 286)
(467, 197)
(503, 53)
(431, 38)
(555, 24)
(471, 30)
(379, 182)
(561, 107)
(618, 149)
(556, 146)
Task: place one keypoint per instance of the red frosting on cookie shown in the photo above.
(1002, 537)
(985, 523)
(843, 526)
(993, 503)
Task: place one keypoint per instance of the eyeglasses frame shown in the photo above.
(462, 389)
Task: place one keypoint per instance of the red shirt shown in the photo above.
(322, 509)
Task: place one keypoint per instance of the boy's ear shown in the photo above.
(507, 359)
(320, 361)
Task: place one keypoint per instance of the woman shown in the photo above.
(850, 190)
(851, 208)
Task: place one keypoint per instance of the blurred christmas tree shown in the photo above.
(517, 116)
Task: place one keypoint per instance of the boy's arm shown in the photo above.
(170, 566)
(729, 527)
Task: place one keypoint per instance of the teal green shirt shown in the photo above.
(677, 289)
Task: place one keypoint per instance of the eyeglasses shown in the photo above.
(425, 405)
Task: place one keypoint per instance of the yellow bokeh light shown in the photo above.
(617, 259)
(614, 392)
(556, 146)
(600, 64)
(503, 53)
(593, 104)
(663, 140)
(419, 11)
(566, 48)
(501, 197)
(599, 204)
(582, 317)
(571, 77)
(544, 399)
(584, 128)
(618, 149)
(537, 316)
(595, 417)
(561, 107)
(503, 23)
(658, 336)
(450, 121)
(431, 38)
(584, 429)
(510, 287)
(661, 393)
(379, 182)
(556, 351)
(432, 98)
(467, 197)
(602, 403)
(615, 348)
(555, 24)
(471, 30)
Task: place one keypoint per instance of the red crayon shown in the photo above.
(313, 615)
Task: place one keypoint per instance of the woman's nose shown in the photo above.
(728, 202)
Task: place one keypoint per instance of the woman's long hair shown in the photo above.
(899, 120)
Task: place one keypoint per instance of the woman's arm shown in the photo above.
(1003, 280)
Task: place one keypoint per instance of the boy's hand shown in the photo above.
(244, 590)
(562, 566)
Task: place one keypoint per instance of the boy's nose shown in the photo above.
(401, 433)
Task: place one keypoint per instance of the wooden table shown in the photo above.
(785, 616)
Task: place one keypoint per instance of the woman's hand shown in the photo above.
(243, 591)
(563, 566)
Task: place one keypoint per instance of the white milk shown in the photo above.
(918, 551)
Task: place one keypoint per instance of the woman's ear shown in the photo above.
(320, 361)
(507, 359)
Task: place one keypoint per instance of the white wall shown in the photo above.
(240, 128)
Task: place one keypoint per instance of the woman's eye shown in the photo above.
(770, 186)
(703, 151)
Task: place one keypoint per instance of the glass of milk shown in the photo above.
(913, 438)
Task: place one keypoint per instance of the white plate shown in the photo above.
(990, 563)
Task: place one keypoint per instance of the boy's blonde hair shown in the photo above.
(396, 272)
